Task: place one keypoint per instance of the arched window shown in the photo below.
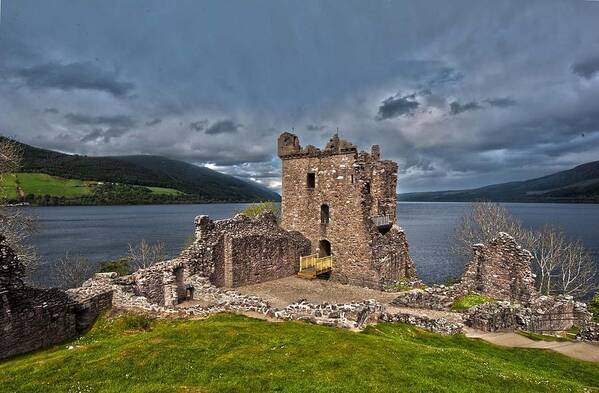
(324, 248)
(324, 214)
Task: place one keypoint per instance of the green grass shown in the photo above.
(467, 301)
(542, 337)
(593, 307)
(164, 191)
(8, 187)
(257, 208)
(228, 353)
(42, 184)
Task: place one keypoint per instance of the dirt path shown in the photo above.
(578, 350)
(285, 291)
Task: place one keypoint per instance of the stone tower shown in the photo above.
(344, 202)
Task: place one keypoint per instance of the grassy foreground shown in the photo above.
(228, 353)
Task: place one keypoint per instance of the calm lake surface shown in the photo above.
(103, 232)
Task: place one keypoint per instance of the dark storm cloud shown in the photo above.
(501, 102)
(266, 75)
(104, 135)
(121, 121)
(73, 76)
(223, 127)
(153, 122)
(587, 68)
(315, 127)
(198, 125)
(427, 73)
(456, 108)
(397, 105)
(51, 110)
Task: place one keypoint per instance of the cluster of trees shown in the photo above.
(119, 194)
(17, 226)
(72, 270)
(561, 265)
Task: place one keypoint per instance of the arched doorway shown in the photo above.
(324, 214)
(324, 248)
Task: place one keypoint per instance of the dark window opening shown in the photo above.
(367, 187)
(311, 180)
(324, 248)
(324, 214)
(384, 229)
(352, 179)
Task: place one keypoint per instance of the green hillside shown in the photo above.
(228, 353)
(579, 184)
(199, 184)
(40, 188)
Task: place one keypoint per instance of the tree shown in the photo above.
(255, 209)
(145, 254)
(15, 224)
(121, 266)
(562, 266)
(71, 271)
(481, 223)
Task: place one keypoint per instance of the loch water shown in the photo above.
(103, 232)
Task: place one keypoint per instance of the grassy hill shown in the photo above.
(23, 186)
(198, 183)
(43, 189)
(579, 184)
(228, 353)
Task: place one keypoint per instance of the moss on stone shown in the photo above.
(470, 300)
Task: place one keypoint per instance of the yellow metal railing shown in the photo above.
(314, 262)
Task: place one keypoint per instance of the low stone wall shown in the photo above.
(546, 315)
(438, 297)
(590, 332)
(350, 315)
(435, 325)
(31, 319)
(162, 283)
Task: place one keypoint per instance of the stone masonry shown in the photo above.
(501, 270)
(32, 318)
(242, 250)
(344, 202)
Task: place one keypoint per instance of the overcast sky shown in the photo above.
(459, 93)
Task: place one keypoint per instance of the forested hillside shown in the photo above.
(196, 184)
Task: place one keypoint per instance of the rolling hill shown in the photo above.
(579, 184)
(148, 171)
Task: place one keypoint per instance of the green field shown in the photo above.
(228, 353)
(14, 185)
(164, 191)
(8, 187)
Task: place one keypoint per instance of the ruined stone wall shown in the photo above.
(384, 189)
(259, 258)
(392, 260)
(161, 283)
(34, 318)
(242, 250)
(544, 314)
(501, 270)
(355, 187)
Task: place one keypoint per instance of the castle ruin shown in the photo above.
(344, 202)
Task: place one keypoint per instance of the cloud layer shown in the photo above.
(475, 93)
